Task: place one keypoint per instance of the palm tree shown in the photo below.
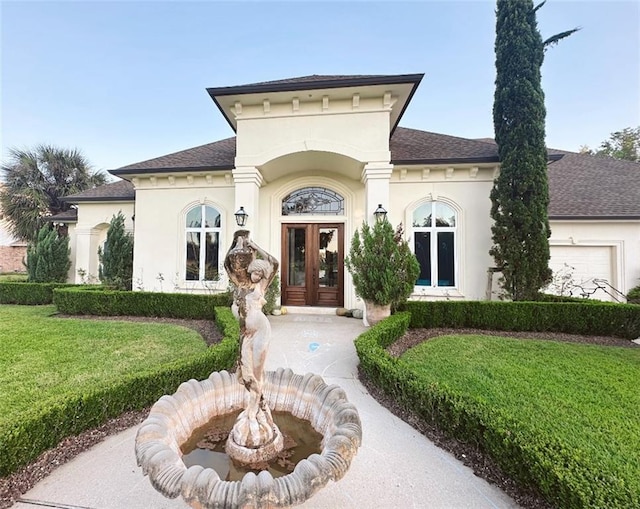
(36, 180)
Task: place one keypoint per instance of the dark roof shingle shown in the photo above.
(219, 155)
(584, 186)
(580, 186)
(115, 191)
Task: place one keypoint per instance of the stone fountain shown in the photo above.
(255, 438)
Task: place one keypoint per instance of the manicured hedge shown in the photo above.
(568, 478)
(73, 413)
(74, 301)
(595, 319)
(29, 294)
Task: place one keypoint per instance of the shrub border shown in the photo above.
(592, 319)
(568, 484)
(78, 301)
(29, 294)
(22, 442)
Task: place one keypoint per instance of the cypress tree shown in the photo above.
(48, 257)
(116, 259)
(520, 195)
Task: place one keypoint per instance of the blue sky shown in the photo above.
(125, 81)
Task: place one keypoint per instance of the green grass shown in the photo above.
(574, 409)
(44, 358)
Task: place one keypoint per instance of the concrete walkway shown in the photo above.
(396, 467)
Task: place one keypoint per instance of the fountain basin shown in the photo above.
(173, 419)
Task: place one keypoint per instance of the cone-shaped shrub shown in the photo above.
(48, 257)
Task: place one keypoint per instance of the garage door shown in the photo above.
(580, 269)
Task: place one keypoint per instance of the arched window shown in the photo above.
(203, 243)
(434, 242)
(313, 200)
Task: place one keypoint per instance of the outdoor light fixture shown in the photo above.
(380, 213)
(241, 217)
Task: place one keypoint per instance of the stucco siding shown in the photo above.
(621, 239)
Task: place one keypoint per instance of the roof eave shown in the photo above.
(559, 217)
(71, 199)
(182, 169)
(446, 160)
(397, 79)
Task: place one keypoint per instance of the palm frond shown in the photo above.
(555, 39)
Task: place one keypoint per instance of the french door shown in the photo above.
(313, 265)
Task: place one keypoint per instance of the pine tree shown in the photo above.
(48, 257)
(520, 195)
(116, 259)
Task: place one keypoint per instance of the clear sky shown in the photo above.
(125, 81)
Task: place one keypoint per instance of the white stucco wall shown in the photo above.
(90, 232)
(621, 238)
(466, 189)
(160, 237)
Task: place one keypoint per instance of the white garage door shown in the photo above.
(582, 270)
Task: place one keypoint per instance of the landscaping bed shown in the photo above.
(560, 418)
(85, 405)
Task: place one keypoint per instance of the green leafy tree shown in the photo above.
(623, 144)
(48, 257)
(383, 268)
(520, 194)
(116, 259)
(36, 180)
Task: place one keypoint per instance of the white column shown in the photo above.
(376, 177)
(86, 254)
(247, 181)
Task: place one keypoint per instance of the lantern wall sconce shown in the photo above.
(241, 217)
(380, 213)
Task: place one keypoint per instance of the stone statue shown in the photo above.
(254, 438)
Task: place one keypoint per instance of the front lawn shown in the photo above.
(564, 417)
(44, 358)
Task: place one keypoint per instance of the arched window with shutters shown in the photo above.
(202, 225)
(434, 225)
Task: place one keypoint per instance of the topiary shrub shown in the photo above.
(633, 297)
(383, 268)
(48, 257)
(116, 259)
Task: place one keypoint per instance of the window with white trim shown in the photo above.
(434, 243)
(202, 243)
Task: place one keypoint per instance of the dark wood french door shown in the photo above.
(313, 265)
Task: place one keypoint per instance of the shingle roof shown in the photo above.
(411, 146)
(219, 155)
(68, 216)
(408, 146)
(316, 81)
(583, 186)
(116, 191)
(315, 78)
(580, 186)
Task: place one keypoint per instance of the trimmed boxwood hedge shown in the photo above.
(22, 442)
(75, 301)
(524, 456)
(29, 294)
(593, 319)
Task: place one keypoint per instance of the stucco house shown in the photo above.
(312, 158)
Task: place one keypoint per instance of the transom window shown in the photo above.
(313, 200)
(434, 241)
(202, 243)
